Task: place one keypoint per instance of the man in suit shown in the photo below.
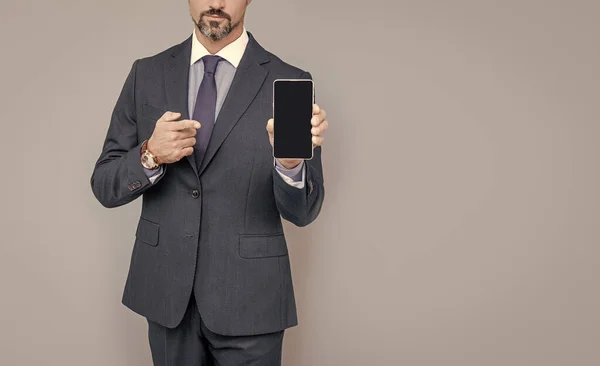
(192, 134)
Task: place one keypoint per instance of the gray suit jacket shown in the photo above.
(216, 230)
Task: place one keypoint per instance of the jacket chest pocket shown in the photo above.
(151, 113)
(147, 118)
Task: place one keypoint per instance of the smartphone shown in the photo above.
(293, 101)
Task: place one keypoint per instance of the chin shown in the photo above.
(214, 32)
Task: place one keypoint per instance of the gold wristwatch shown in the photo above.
(149, 160)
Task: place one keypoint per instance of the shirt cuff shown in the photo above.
(153, 174)
(295, 176)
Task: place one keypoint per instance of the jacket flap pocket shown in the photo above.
(152, 112)
(147, 232)
(263, 246)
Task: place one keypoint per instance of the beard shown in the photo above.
(216, 30)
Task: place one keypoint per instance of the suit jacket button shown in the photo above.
(195, 193)
(135, 185)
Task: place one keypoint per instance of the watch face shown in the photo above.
(147, 161)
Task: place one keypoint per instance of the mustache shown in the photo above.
(216, 12)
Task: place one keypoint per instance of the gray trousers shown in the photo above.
(192, 344)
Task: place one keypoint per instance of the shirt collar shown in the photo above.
(233, 52)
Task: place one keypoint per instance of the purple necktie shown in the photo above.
(204, 111)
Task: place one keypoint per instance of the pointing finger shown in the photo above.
(184, 124)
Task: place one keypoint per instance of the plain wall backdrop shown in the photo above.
(462, 174)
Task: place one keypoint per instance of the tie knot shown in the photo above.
(210, 63)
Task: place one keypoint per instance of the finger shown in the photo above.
(187, 151)
(319, 130)
(170, 116)
(189, 142)
(184, 124)
(322, 114)
(188, 132)
(322, 127)
(270, 125)
(317, 140)
(316, 109)
(315, 120)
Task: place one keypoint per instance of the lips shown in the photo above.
(214, 16)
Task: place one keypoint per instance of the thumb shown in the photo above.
(270, 126)
(171, 116)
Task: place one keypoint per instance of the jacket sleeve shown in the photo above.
(301, 206)
(118, 177)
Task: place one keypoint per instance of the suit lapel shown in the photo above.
(246, 83)
(177, 70)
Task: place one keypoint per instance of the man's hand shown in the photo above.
(319, 124)
(173, 139)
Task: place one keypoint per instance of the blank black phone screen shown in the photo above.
(292, 113)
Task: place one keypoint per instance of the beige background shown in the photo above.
(461, 220)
